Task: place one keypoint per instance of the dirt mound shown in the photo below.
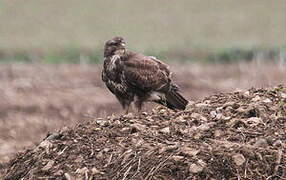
(239, 135)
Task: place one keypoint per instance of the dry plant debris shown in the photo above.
(240, 135)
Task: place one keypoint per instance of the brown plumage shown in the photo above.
(133, 77)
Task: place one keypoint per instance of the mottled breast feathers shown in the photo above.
(112, 76)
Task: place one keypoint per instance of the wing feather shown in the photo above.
(146, 73)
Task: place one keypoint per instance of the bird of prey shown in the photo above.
(135, 78)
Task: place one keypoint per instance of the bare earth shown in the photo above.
(238, 135)
(37, 99)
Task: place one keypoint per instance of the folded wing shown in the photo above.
(145, 73)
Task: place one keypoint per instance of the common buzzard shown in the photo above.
(133, 77)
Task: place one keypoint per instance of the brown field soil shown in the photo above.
(238, 135)
(37, 99)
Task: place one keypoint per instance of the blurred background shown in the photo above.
(51, 55)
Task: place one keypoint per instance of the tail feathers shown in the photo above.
(174, 100)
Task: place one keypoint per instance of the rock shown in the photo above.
(177, 158)
(68, 176)
(206, 126)
(213, 114)
(219, 116)
(198, 116)
(46, 144)
(200, 105)
(218, 133)
(181, 118)
(59, 173)
(229, 104)
(138, 127)
(238, 159)
(261, 143)
(256, 98)
(202, 163)
(246, 93)
(197, 135)
(82, 170)
(95, 171)
(53, 136)
(137, 142)
(165, 130)
(102, 122)
(197, 167)
(194, 168)
(189, 151)
(241, 109)
(283, 95)
(267, 100)
(126, 130)
(278, 143)
(106, 150)
(168, 149)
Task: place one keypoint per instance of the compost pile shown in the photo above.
(240, 135)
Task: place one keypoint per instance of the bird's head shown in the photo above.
(115, 46)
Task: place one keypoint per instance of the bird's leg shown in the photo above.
(125, 105)
(139, 105)
(126, 110)
(139, 113)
